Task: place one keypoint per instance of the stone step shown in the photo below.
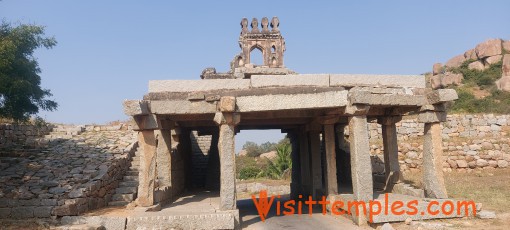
(118, 203)
(132, 173)
(123, 197)
(128, 184)
(126, 190)
(130, 178)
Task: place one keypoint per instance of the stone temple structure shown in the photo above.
(324, 115)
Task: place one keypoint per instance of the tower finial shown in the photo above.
(274, 24)
(255, 25)
(244, 26)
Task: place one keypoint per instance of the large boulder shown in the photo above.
(477, 65)
(437, 69)
(470, 55)
(506, 45)
(443, 80)
(456, 61)
(491, 47)
(506, 65)
(270, 155)
(503, 83)
(493, 59)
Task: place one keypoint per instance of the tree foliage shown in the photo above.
(21, 94)
(278, 167)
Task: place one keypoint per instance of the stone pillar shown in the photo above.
(433, 180)
(361, 166)
(391, 165)
(304, 163)
(315, 153)
(295, 184)
(163, 157)
(331, 177)
(147, 175)
(227, 120)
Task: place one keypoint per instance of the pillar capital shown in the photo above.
(146, 122)
(389, 120)
(432, 117)
(227, 118)
(227, 104)
(357, 109)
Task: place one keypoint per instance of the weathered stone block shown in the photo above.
(136, 107)
(264, 81)
(22, 212)
(42, 212)
(295, 101)
(5, 213)
(183, 107)
(413, 81)
(197, 85)
(441, 96)
(227, 104)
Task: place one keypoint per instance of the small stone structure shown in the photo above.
(305, 106)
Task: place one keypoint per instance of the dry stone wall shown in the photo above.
(469, 142)
(75, 170)
(14, 136)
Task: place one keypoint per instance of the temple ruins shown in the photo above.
(324, 115)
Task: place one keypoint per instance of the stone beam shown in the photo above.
(331, 99)
(146, 122)
(266, 81)
(136, 107)
(410, 81)
(182, 107)
(197, 85)
(368, 98)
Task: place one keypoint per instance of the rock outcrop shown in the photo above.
(481, 58)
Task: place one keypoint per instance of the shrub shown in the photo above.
(250, 172)
(279, 166)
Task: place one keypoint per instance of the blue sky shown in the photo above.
(108, 50)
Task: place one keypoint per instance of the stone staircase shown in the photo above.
(128, 187)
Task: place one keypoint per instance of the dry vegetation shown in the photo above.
(489, 187)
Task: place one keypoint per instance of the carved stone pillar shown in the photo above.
(331, 177)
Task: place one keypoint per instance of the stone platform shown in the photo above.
(196, 211)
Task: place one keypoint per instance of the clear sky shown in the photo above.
(107, 51)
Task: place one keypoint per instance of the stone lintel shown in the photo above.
(442, 95)
(407, 81)
(432, 117)
(331, 99)
(263, 81)
(136, 107)
(197, 85)
(182, 107)
(328, 120)
(369, 98)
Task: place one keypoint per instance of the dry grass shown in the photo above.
(489, 187)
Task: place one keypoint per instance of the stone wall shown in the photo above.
(45, 183)
(21, 135)
(469, 142)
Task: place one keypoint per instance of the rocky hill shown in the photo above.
(480, 75)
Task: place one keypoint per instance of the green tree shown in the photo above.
(21, 94)
(278, 167)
